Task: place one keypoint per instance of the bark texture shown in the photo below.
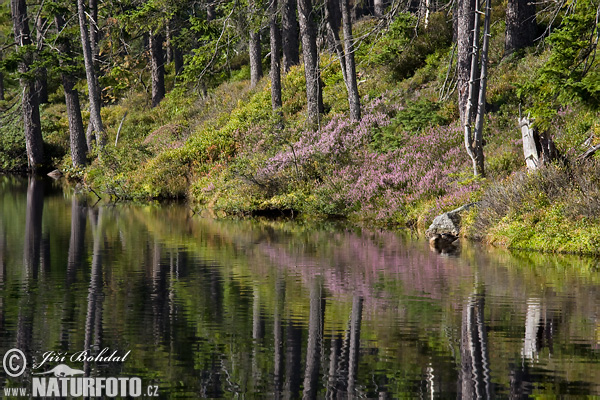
(521, 25)
(94, 95)
(289, 34)
(275, 57)
(255, 58)
(41, 82)
(311, 62)
(464, 21)
(158, 68)
(378, 8)
(76, 130)
(30, 102)
(350, 76)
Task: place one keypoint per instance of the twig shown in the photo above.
(120, 126)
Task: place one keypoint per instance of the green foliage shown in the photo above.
(405, 47)
(571, 72)
(413, 118)
(12, 145)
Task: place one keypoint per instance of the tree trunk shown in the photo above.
(94, 35)
(275, 63)
(255, 58)
(158, 68)
(521, 25)
(289, 34)
(464, 33)
(76, 130)
(41, 82)
(30, 102)
(311, 61)
(168, 43)
(378, 8)
(477, 88)
(210, 11)
(94, 95)
(351, 85)
(1, 86)
(333, 24)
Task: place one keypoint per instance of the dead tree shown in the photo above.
(538, 148)
(477, 88)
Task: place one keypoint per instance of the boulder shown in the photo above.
(448, 222)
(55, 174)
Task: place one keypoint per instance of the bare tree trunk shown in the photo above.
(158, 68)
(521, 25)
(311, 61)
(30, 102)
(94, 95)
(255, 58)
(94, 35)
(41, 81)
(464, 32)
(275, 52)
(289, 34)
(474, 135)
(76, 130)
(351, 85)
(378, 8)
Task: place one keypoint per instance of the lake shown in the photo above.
(202, 308)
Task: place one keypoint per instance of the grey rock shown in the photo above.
(55, 174)
(449, 222)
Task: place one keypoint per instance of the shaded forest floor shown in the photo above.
(400, 166)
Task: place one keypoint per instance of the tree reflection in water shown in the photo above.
(287, 310)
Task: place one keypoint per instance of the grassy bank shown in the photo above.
(401, 165)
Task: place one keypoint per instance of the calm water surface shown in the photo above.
(247, 309)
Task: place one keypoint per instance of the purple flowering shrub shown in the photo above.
(346, 175)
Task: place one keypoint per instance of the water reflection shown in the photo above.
(286, 310)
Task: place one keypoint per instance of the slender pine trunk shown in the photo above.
(41, 82)
(158, 68)
(311, 61)
(76, 130)
(289, 34)
(255, 58)
(1, 86)
(94, 95)
(30, 102)
(351, 84)
(275, 62)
